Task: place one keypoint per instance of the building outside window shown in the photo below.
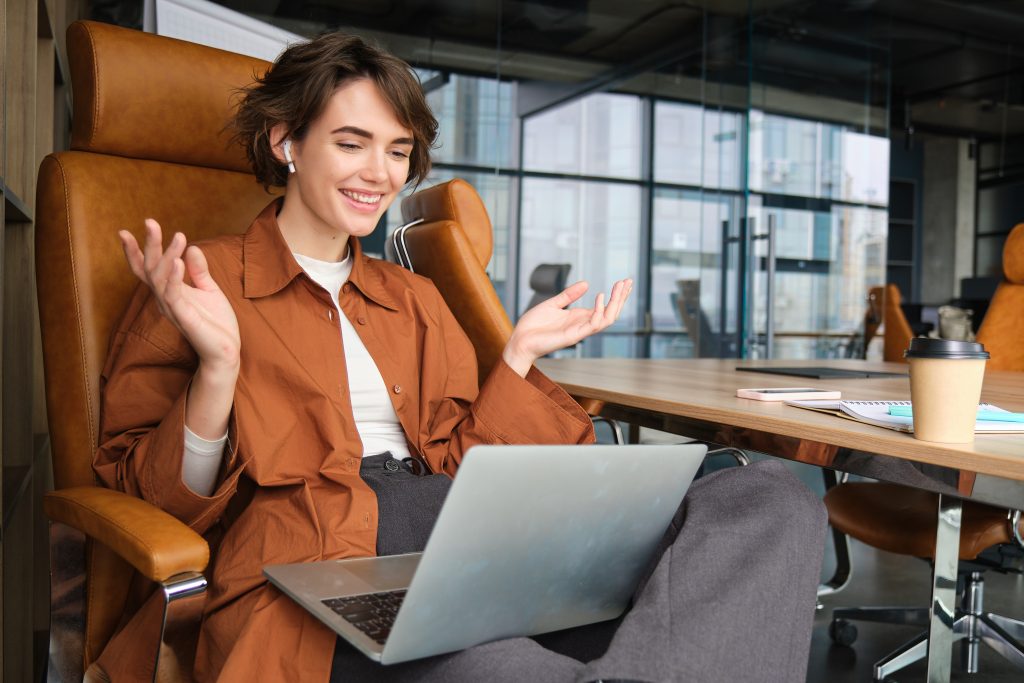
(588, 194)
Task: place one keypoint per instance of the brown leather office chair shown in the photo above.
(903, 520)
(148, 140)
(448, 238)
(1002, 330)
(897, 330)
(873, 315)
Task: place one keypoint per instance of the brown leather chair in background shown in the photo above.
(897, 334)
(148, 140)
(874, 315)
(452, 245)
(448, 238)
(903, 520)
(1002, 330)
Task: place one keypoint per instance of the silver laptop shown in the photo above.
(530, 539)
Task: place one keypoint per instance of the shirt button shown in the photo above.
(397, 388)
(347, 287)
(361, 320)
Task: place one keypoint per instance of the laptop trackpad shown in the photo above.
(353, 576)
(390, 573)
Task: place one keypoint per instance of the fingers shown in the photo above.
(618, 299)
(152, 264)
(175, 281)
(153, 247)
(605, 314)
(597, 316)
(570, 294)
(159, 271)
(198, 270)
(132, 253)
(162, 270)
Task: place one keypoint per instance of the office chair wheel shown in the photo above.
(842, 632)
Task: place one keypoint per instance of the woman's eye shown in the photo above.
(348, 146)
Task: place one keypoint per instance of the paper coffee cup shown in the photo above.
(945, 388)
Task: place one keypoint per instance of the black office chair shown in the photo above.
(547, 280)
(707, 343)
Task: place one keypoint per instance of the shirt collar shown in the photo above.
(269, 265)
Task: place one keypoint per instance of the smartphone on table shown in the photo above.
(788, 394)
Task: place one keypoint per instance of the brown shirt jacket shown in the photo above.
(291, 472)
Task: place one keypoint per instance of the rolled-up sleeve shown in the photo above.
(142, 419)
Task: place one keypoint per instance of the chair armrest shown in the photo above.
(155, 543)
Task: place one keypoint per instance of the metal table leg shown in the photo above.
(943, 609)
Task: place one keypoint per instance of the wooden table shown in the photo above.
(697, 398)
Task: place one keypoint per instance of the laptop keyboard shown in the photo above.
(372, 614)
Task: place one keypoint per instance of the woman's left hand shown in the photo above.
(551, 325)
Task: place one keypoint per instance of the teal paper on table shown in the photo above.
(983, 415)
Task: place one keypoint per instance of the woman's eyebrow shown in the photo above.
(353, 130)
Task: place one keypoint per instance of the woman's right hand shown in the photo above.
(198, 308)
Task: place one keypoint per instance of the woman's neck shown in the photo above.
(306, 234)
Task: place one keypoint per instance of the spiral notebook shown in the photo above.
(877, 413)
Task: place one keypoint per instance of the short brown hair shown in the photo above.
(296, 88)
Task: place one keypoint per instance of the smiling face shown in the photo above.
(349, 167)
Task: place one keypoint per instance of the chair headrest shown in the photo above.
(150, 97)
(1013, 256)
(455, 200)
(549, 278)
(893, 298)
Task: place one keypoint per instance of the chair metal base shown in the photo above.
(617, 436)
(184, 596)
(740, 456)
(971, 627)
(840, 542)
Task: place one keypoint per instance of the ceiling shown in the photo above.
(937, 66)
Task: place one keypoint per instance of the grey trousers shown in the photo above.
(730, 597)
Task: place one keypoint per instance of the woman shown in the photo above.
(265, 386)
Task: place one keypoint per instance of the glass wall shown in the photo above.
(822, 188)
(593, 226)
(747, 200)
(697, 174)
(598, 135)
(476, 117)
(478, 142)
(817, 183)
(568, 215)
(697, 146)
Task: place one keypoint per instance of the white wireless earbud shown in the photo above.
(286, 148)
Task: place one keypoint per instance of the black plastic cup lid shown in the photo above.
(926, 347)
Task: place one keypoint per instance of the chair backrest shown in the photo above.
(148, 140)
(897, 330)
(1002, 330)
(874, 315)
(452, 246)
(686, 299)
(547, 280)
(447, 237)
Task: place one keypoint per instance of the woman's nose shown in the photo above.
(375, 168)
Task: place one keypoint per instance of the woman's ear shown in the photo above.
(278, 136)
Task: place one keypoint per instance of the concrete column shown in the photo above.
(947, 218)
